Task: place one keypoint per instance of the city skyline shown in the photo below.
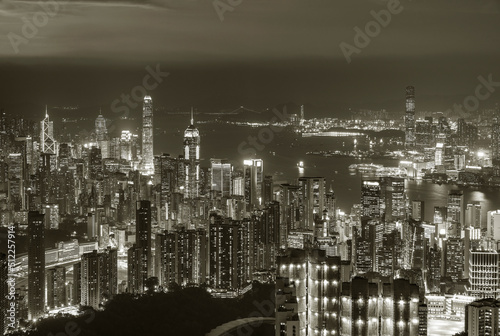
(270, 168)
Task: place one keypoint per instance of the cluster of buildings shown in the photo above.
(458, 150)
(382, 269)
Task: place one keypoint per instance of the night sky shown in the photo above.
(263, 53)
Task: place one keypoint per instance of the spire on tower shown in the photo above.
(46, 112)
(192, 118)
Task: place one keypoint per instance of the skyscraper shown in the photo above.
(48, 144)
(410, 117)
(143, 233)
(495, 142)
(99, 277)
(36, 265)
(311, 201)
(221, 176)
(473, 215)
(102, 136)
(139, 255)
(317, 279)
(56, 287)
(254, 176)
(371, 198)
(147, 137)
(192, 159)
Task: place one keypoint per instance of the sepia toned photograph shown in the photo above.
(250, 167)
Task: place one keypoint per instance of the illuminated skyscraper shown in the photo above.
(317, 280)
(99, 277)
(311, 201)
(371, 198)
(147, 137)
(56, 287)
(221, 176)
(48, 144)
(254, 176)
(410, 117)
(473, 215)
(36, 265)
(102, 136)
(139, 255)
(192, 159)
(495, 142)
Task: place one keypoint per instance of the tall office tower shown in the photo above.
(434, 262)
(289, 201)
(482, 317)
(454, 258)
(143, 236)
(47, 142)
(136, 276)
(4, 292)
(493, 225)
(95, 164)
(16, 177)
(371, 198)
(311, 201)
(126, 145)
(147, 137)
(302, 114)
(265, 236)
(226, 255)
(467, 134)
(317, 280)
(462, 132)
(167, 177)
(46, 178)
(423, 133)
(473, 215)
(99, 277)
(36, 265)
(192, 160)
(267, 189)
(439, 154)
(180, 257)
(395, 198)
(495, 142)
(392, 309)
(484, 273)
(439, 216)
(410, 117)
(253, 173)
(56, 287)
(101, 133)
(76, 294)
(455, 212)
(331, 204)
(417, 210)
(221, 177)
